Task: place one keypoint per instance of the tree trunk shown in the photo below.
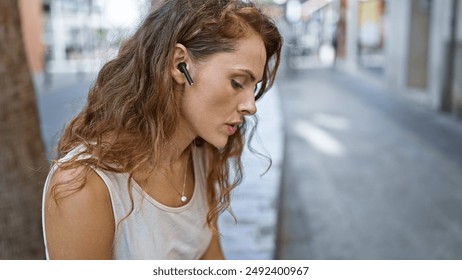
(22, 157)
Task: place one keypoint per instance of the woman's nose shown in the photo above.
(247, 105)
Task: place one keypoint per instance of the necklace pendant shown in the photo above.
(184, 198)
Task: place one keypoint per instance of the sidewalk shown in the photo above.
(371, 175)
(254, 202)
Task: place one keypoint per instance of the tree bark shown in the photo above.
(23, 163)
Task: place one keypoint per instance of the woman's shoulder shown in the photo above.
(78, 178)
(71, 173)
(77, 206)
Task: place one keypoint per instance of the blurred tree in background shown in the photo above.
(23, 164)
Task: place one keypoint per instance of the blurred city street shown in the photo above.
(363, 125)
(367, 174)
(60, 97)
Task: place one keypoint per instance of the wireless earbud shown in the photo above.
(184, 70)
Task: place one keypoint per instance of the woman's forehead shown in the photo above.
(249, 57)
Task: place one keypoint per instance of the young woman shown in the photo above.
(144, 170)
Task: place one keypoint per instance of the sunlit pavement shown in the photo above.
(367, 174)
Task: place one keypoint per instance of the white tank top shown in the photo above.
(153, 231)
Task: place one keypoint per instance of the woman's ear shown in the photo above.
(180, 55)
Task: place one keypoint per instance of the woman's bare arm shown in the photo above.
(81, 225)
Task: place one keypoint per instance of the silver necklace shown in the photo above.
(184, 198)
(182, 195)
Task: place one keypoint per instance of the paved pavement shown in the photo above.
(367, 174)
(254, 202)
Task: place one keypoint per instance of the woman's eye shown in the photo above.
(236, 85)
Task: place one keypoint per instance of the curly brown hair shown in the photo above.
(131, 113)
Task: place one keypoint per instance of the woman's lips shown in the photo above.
(231, 129)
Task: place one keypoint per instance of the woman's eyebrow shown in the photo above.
(248, 73)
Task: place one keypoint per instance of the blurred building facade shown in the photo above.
(414, 46)
(76, 35)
